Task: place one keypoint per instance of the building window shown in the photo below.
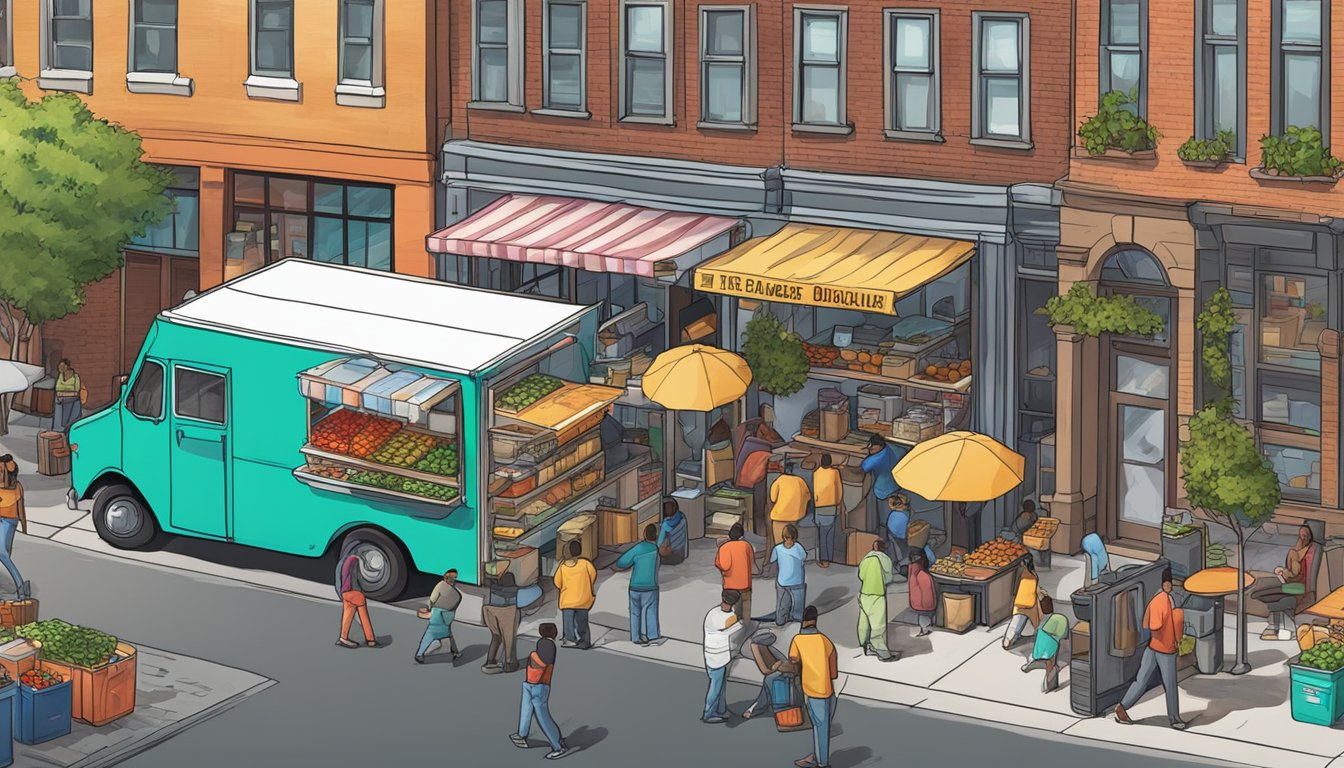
(1036, 346)
(6, 39)
(361, 55)
(277, 217)
(179, 232)
(1299, 79)
(564, 64)
(273, 38)
(819, 68)
(646, 61)
(912, 73)
(1293, 314)
(154, 37)
(1219, 101)
(71, 35)
(1124, 37)
(1299, 471)
(1002, 98)
(727, 66)
(497, 68)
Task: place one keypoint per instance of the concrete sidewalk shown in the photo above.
(1242, 720)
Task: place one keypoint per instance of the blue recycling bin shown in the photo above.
(42, 714)
(7, 697)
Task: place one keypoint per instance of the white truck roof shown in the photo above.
(393, 317)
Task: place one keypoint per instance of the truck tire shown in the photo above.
(383, 570)
(122, 518)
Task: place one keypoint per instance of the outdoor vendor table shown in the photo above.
(993, 596)
(1329, 607)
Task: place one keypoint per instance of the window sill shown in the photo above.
(166, 83)
(1003, 143)
(366, 96)
(572, 114)
(1111, 153)
(65, 80)
(496, 106)
(648, 120)
(273, 88)
(8, 72)
(830, 130)
(706, 125)
(922, 136)
(1261, 175)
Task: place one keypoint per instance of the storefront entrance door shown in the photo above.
(1140, 446)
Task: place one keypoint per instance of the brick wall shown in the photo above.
(866, 150)
(90, 338)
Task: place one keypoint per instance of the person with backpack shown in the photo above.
(353, 601)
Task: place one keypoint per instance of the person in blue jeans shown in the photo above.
(13, 517)
(790, 585)
(898, 532)
(721, 629)
(536, 700)
(642, 562)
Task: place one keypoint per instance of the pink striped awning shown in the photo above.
(599, 237)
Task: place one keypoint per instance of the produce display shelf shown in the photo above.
(373, 466)
(540, 490)
(961, 386)
(544, 531)
(433, 509)
(559, 453)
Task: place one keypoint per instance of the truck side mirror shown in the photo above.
(122, 379)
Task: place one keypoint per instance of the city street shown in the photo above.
(336, 707)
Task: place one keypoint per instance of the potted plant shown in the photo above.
(1092, 315)
(1117, 130)
(1208, 153)
(1299, 155)
(775, 354)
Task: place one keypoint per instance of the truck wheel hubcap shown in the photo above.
(373, 566)
(122, 517)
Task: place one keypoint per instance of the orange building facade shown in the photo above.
(1170, 232)
(296, 128)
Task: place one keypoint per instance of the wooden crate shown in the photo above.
(101, 694)
(15, 613)
(616, 527)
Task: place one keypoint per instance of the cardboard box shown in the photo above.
(857, 545)
(958, 612)
(1280, 330)
(898, 366)
(581, 528)
(719, 470)
(616, 527)
(524, 564)
(834, 425)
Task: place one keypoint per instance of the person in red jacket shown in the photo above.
(922, 598)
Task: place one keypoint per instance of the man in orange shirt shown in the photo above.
(813, 655)
(735, 561)
(1166, 624)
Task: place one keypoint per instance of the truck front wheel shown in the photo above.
(122, 518)
(383, 572)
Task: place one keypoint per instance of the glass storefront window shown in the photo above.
(1294, 310)
(179, 231)
(1136, 376)
(1291, 402)
(1299, 471)
(1037, 344)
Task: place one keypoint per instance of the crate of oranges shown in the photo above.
(1038, 535)
(995, 554)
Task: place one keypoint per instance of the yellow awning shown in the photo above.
(860, 269)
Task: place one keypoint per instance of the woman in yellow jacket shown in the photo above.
(1026, 605)
(576, 578)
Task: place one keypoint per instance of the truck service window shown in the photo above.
(198, 395)
(146, 398)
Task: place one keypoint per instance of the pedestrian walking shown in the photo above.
(1026, 605)
(674, 542)
(882, 459)
(500, 616)
(1165, 623)
(576, 579)
(923, 596)
(735, 560)
(875, 573)
(898, 531)
(790, 559)
(70, 397)
(13, 517)
(814, 655)
(721, 629)
(789, 497)
(353, 602)
(642, 562)
(828, 495)
(1050, 636)
(536, 698)
(440, 610)
(770, 662)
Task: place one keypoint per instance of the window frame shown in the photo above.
(1276, 68)
(514, 58)
(890, 77)
(1106, 48)
(979, 135)
(841, 14)
(371, 93)
(178, 189)
(747, 61)
(166, 83)
(177, 391)
(271, 84)
(163, 391)
(50, 77)
(1206, 46)
(582, 52)
(7, 68)
(668, 58)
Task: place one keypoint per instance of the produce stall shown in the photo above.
(100, 670)
(990, 573)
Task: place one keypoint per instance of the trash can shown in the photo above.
(1204, 621)
(1315, 694)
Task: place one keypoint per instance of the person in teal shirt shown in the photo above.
(1053, 630)
(642, 562)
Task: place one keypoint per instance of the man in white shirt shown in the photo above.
(721, 626)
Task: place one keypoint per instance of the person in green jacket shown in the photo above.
(875, 573)
(642, 562)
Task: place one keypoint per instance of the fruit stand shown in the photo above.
(990, 573)
(77, 672)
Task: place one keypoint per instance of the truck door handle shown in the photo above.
(180, 435)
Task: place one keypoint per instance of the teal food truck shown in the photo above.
(307, 407)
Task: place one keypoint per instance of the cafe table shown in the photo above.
(1218, 583)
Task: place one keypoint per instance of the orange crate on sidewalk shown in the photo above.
(101, 694)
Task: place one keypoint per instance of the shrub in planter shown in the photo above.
(1092, 315)
(775, 354)
(1298, 152)
(1216, 149)
(1117, 125)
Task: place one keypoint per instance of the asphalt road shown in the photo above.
(374, 707)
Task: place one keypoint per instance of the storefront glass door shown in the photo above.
(1141, 449)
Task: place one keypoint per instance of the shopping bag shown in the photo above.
(790, 719)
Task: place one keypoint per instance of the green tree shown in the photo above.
(1226, 476)
(73, 191)
(775, 354)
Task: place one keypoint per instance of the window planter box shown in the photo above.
(1207, 165)
(1264, 174)
(1116, 154)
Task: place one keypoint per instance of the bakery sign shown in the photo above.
(765, 288)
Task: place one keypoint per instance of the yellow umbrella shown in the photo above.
(960, 466)
(695, 377)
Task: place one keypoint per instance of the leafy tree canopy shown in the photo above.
(776, 355)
